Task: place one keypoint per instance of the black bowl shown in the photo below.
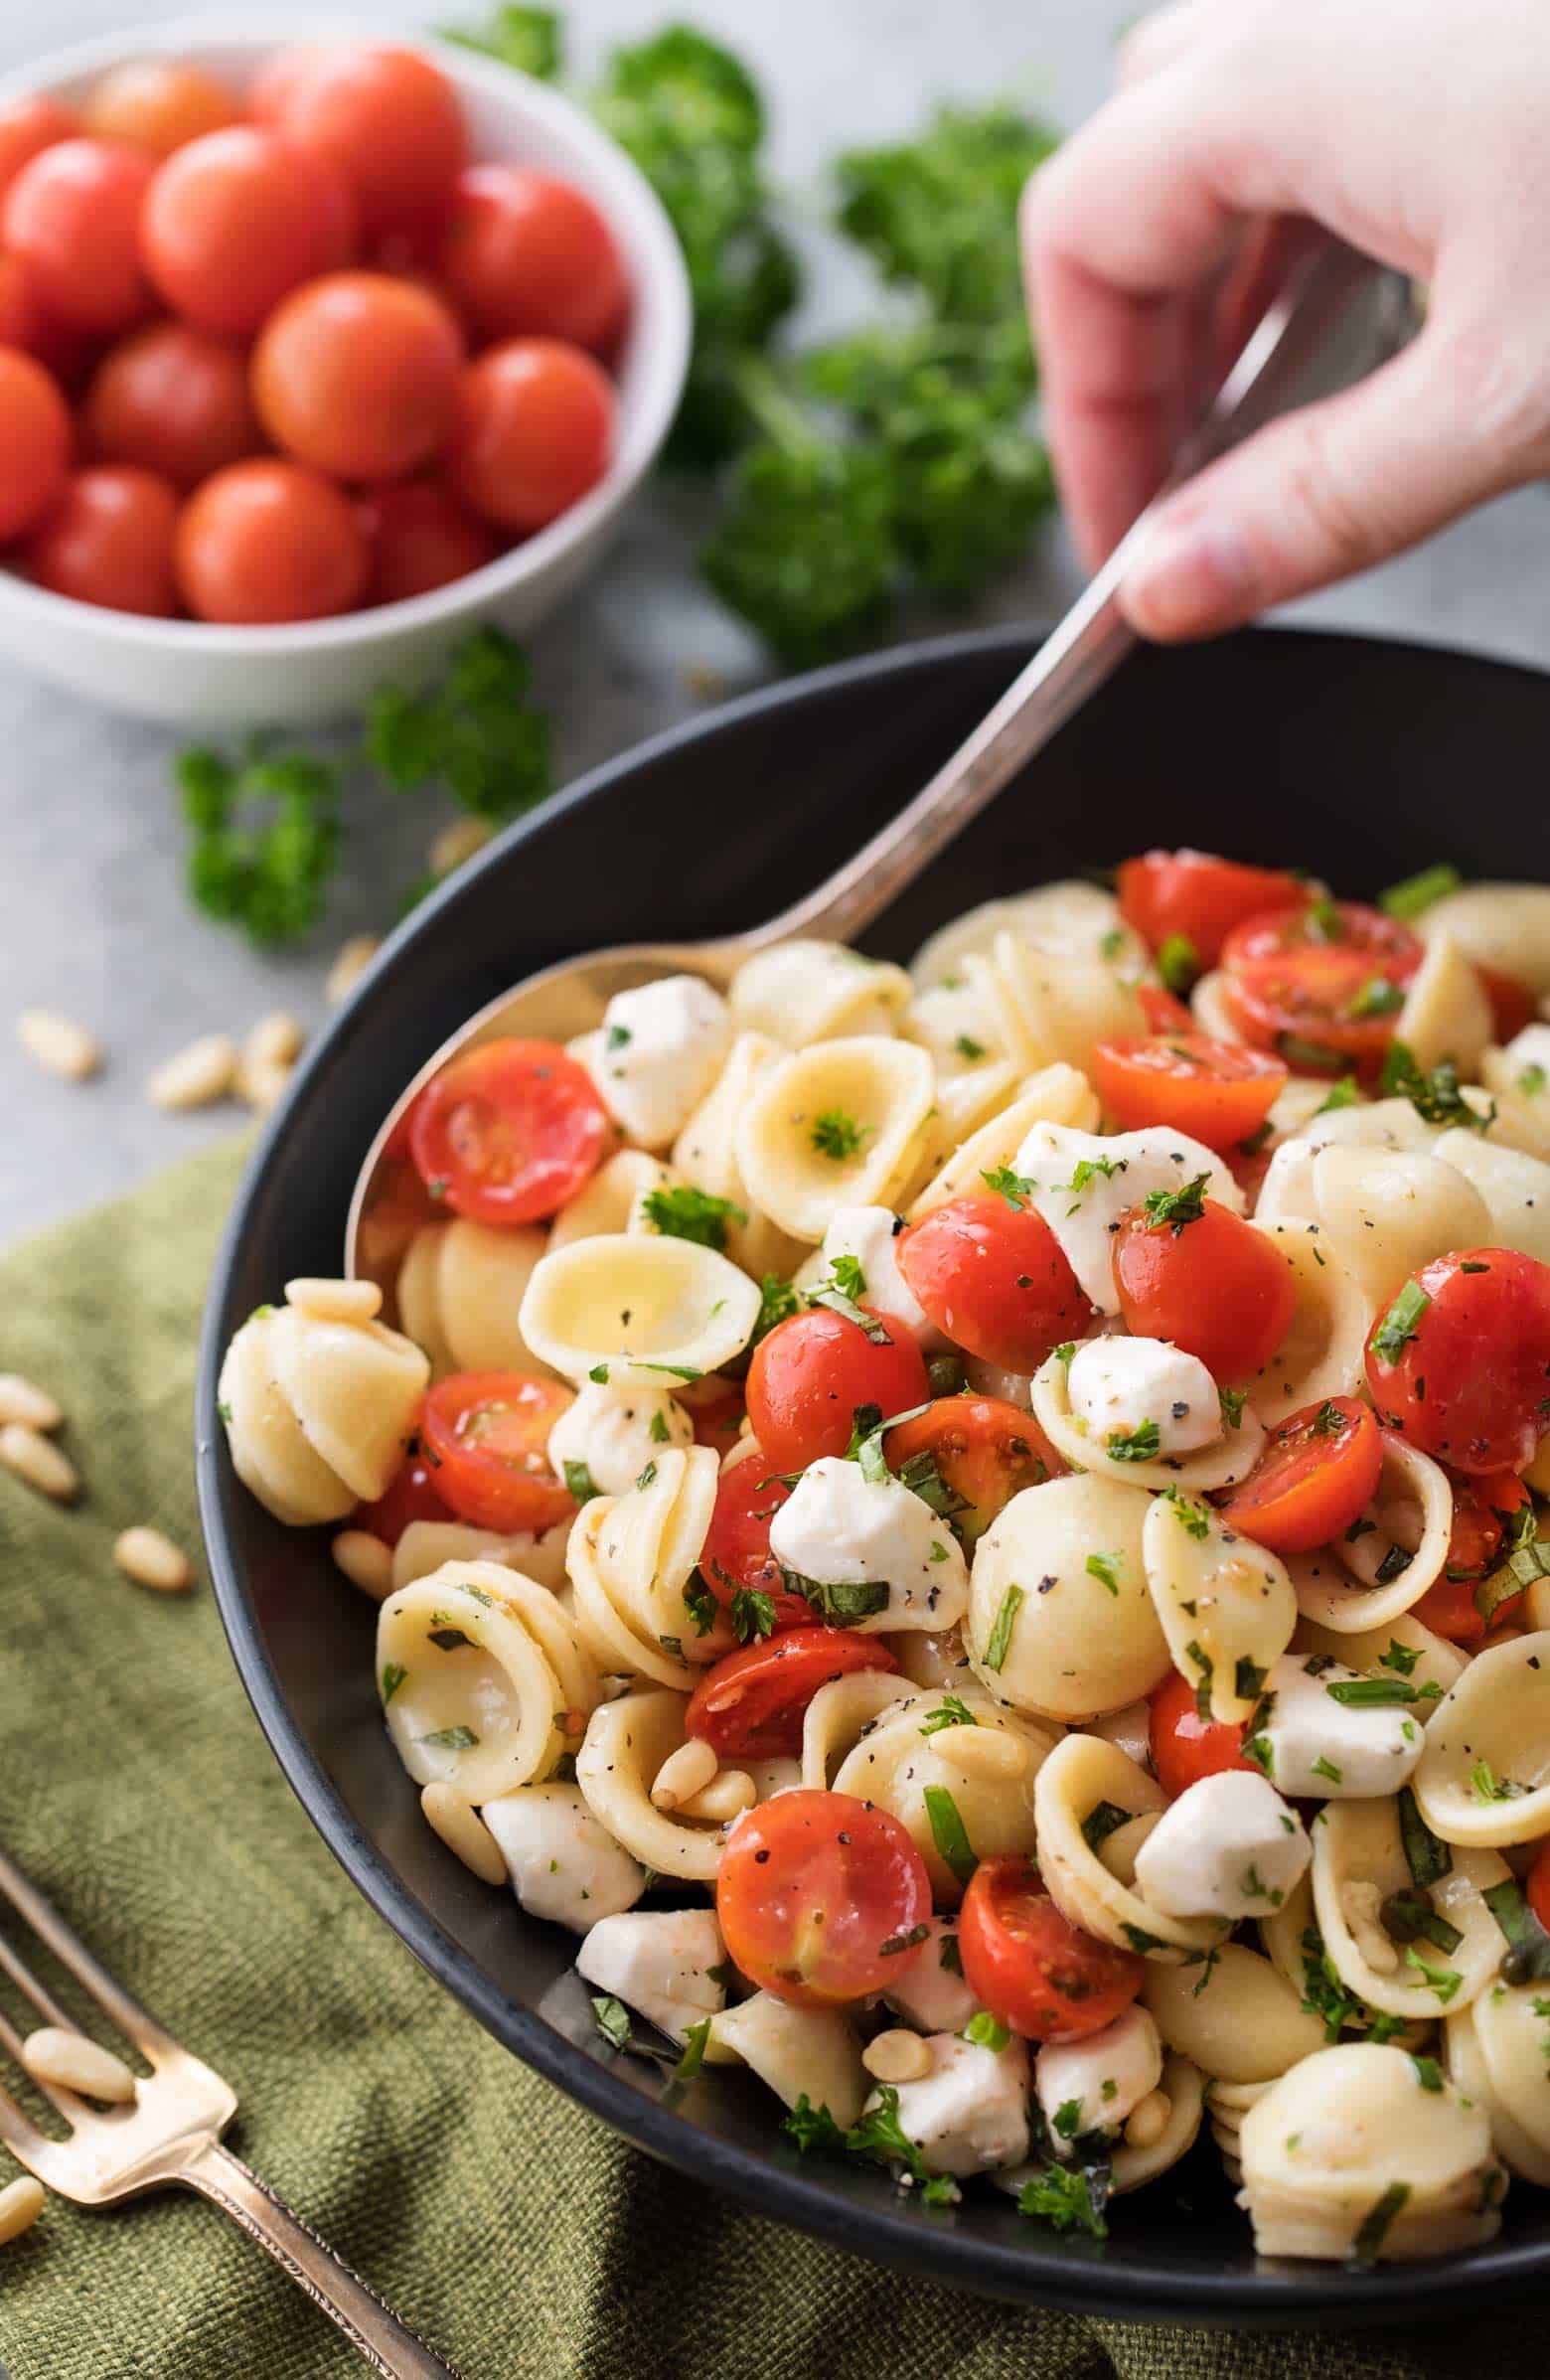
(1365, 761)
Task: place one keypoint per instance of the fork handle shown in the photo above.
(372, 2327)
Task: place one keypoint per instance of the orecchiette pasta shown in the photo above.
(460, 1291)
(1447, 1014)
(1381, 1213)
(630, 1558)
(1515, 1189)
(705, 1155)
(1410, 1518)
(1236, 2017)
(1060, 1622)
(613, 1200)
(1080, 1775)
(633, 1311)
(1505, 926)
(1072, 918)
(801, 2053)
(802, 991)
(1359, 1865)
(1231, 1459)
(625, 1747)
(838, 1124)
(1321, 1354)
(317, 1412)
(1226, 1605)
(1485, 1775)
(1497, 2054)
(1058, 1094)
(987, 1759)
(426, 1545)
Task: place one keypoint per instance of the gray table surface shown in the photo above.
(93, 918)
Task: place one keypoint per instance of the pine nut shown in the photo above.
(365, 1561)
(981, 1751)
(453, 1817)
(1149, 2120)
(684, 1773)
(262, 1083)
(39, 1462)
(21, 2203)
(194, 1076)
(153, 1560)
(898, 2056)
(729, 1793)
(457, 842)
(335, 1300)
(350, 962)
(24, 1402)
(276, 1040)
(72, 2063)
(59, 1044)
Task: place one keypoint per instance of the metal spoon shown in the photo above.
(1078, 657)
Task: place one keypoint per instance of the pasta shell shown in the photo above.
(1447, 1014)
(1080, 1772)
(460, 1292)
(625, 1745)
(1484, 1776)
(1505, 926)
(1437, 1661)
(802, 991)
(1350, 2153)
(1058, 1094)
(1359, 1860)
(318, 1412)
(835, 1125)
(1515, 1189)
(484, 1679)
(1183, 2086)
(1384, 1212)
(1233, 1458)
(426, 1545)
(1237, 2018)
(1074, 917)
(630, 1558)
(1416, 1498)
(1324, 1351)
(1510, 2028)
(1226, 1605)
(269, 1450)
(612, 1201)
(801, 2053)
(637, 1311)
(1063, 1004)
(896, 1762)
(1060, 1622)
(705, 1154)
(839, 1713)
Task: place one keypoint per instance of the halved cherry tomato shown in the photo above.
(1199, 895)
(509, 1131)
(1217, 1091)
(1216, 1287)
(1482, 1507)
(716, 1408)
(410, 1494)
(817, 1894)
(1186, 1747)
(1164, 1011)
(810, 1375)
(1316, 1472)
(487, 1435)
(736, 1551)
(986, 1451)
(1538, 1888)
(995, 1279)
(1460, 1361)
(751, 1704)
(1383, 943)
(1320, 983)
(1512, 1005)
(1026, 1963)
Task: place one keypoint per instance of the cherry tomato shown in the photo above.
(534, 431)
(1164, 1011)
(1538, 1888)
(736, 1551)
(1199, 895)
(815, 1894)
(236, 220)
(809, 1376)
(1216, 1287)
(268, 541)
(1512, 1005)
(716, 1409)
(1315, 1474)
(1482, 1507)
(159, 104)
(358, 373)
(173, 399)
(27, 323)
(420, 539)
(27, 128)
(410, 1494)
(386, 121)
(1217, 1091)
(524, 254)
(1460, 1361)
(109, 540)
(1186, 1747)
(994, 1278)
(508, 1132)
(34, 441)
(1320, 983)
(1030, 1965)
(487, 1436)
(986, 1451)
(73, 216)
(751, 1704)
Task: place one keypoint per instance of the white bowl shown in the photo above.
(321, 669)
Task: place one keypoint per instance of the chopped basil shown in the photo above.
(968, 1048)
(1140, 1940)
(1428, 1858)
(999, 1644)
(579, 1480)
(599, 1373)
(1398, 1326)
(839, 1601)
(1192, 1516)
(1325, 1768)
(1435, 1096)
(1418, 892)
(1105, 1568)
(1527, 1958)
(902, 1941)
(1486, 1786)
(778, 1302)
(1102, 1821)
(949, 1833)
(832, 1293)
(448, 1640)
(658, 1433)
(450, 1739)
(949, 1957)
(950, 1713)
(693, 2056)
(1428, 2073)
(1393, 1565)
(613, 2019)
(1531, 1081)
(1248, 1680)
(393, 1677)
(646, 1477)
(1374, 2228)
(1377, 996)
(1341, 1094)
(1407, 1917)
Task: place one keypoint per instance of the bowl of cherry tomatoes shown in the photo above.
(311, 357)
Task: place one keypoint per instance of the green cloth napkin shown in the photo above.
(521, 2237)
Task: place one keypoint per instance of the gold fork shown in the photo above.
(170, 2134)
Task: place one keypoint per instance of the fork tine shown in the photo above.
(27, 1982)
(134, 2022)
(64, 2103)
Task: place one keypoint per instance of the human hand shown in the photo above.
(1415, 130)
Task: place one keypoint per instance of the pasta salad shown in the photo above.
(971, 1530)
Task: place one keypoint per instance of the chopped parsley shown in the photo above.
(700, 1605)
(1087, 1171)
(753, 1614)
(812, 2127)
(1192, 1516)
(1326, 1996)
(1328, 1421)
(1105, 1568)
(1015, 1188)
(1139, 1445)
(834, 1291)
(878, 2134)
(949, 1833)
(658, 1433)
(1531, 1081)
(848, 1276)
(1435, 1096)
(950, 1713)
(1377, 996)
(1486, 1786)
(1398, 1326)
(693, 2056)
(1177, 1207)
(1446, 1982)
(967, 1047)
(683, 1213)
(1402, 1657)
(837, 1136)
(778, 1302)
(1232, 1402)
(988, 2032)
(999, 1644)
(1341, 1094)
(1065, 2199)
(1428, 2073)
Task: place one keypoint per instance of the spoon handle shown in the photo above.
(1094, 637)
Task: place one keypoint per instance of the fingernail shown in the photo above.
(1193, 575)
